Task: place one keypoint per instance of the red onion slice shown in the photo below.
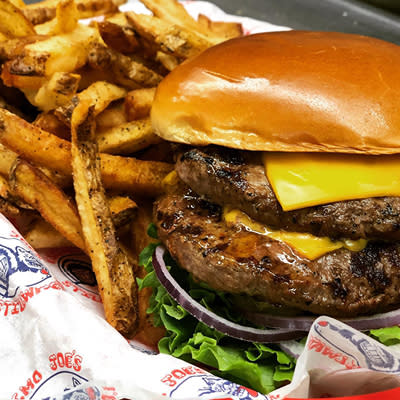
(304, 323)
(211, 319)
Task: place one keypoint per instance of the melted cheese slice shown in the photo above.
(308, 179)
(305, 244)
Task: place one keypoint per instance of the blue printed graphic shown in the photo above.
(375, 354)
(204, 385)
(64, 381)
(19, 267)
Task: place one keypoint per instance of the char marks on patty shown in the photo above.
(341, 283)
(235, 178)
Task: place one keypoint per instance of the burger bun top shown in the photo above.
(290, 91)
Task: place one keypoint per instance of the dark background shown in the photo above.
(378, 18)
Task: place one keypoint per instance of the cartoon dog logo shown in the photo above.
(69, 385)
(18, 268)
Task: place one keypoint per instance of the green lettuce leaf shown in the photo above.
(257, 366)
(388, 336)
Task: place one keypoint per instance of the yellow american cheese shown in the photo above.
(305, 244)
(308, 179)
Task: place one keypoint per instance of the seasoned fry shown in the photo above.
(127, 138)
(170, 39)
(173, 12)
(132, 175)
(43, 235)
(13, 22)
(114, 273)
(138, 103)
(14, 47)
(120, 38)
(57, 91)
(45, 149)
(112, 116)
(64, 52)
(122, 209)
(65, 21)
(21, 81)
(7, 158)
(224, 30)
(47, 121)
(43, 11)
(100, 94)
(41, 193)
(168, 61)
(126, 72)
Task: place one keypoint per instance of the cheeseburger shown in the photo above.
(291, 176)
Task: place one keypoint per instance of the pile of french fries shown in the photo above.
(79, 162)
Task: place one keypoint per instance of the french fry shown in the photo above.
(43, 11)
(47, 121)
(45, 149)
(43, 235)
(55, 92)
(14, 47)
(173, 12)
(24, 82)
(13, 22)
(64, 52)
(133, 176)
(114, 273)
(120, 38)
(100, 94)
(7, 159)
(66, 19)
(171, 39)
(122, 209)
(168, 61)
(112, 116)
(33, 187)
(224, 30)
(127, 138)
(125, 71)
(18, 3)
(138, 103)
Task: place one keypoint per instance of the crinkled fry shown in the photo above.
(33, 187)
(114, 273)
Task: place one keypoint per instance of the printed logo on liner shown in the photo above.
(19, 268)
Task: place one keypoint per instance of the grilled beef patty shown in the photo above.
(231, 177)
(341, 283)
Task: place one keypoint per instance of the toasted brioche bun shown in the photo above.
(286, 91)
